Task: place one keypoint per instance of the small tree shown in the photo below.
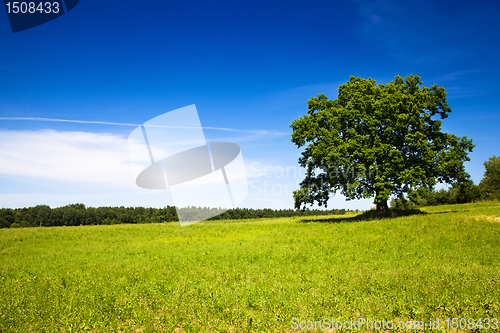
(375, 140)
(490, 184)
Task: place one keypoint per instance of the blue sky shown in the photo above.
(247, 66)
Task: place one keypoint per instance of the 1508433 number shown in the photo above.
(31, 7)
(471, 323)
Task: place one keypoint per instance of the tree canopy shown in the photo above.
(490, 184)
(377, 140)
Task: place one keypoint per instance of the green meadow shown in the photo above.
(252, 275)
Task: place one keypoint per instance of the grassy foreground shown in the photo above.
(253, 275)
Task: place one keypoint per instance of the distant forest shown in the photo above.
(78, 214)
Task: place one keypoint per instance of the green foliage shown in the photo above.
(490, 184)
(441, 197)
(389, 135)
(465, 192)
(252, 276)
(7, 217)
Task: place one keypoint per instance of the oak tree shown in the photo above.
(377, 140)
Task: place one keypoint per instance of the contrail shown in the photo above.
(135, 125)
(68, 121)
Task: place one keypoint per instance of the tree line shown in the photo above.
(487, 189)
(78, 214)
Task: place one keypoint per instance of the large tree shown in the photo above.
(377, 140)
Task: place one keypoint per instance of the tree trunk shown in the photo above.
(382, 206)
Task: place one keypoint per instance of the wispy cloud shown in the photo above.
(432, 58)
(40, 184)
(458, 75)
(465, 92)
(481, 117)
(251, 136)
(256, 132)
(98, 199)
(247, 135)
(68, 121)
(461, 84)
(72, 157)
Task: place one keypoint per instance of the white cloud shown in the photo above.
(81, 157)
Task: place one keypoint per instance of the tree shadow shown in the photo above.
(367, 216)
(449, 211)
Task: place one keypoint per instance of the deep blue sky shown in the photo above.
(247, 65)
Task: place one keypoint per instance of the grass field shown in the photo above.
(253, 275)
